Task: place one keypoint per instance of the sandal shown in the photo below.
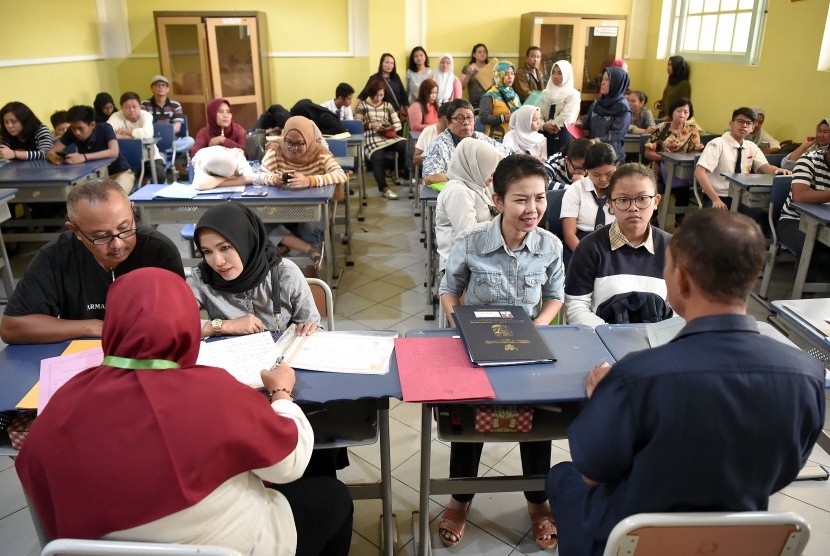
(453, 522)
(315, 254)
(541, 525)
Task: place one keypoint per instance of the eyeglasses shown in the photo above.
(463, 119)
(745, 123)
(574, 168)
(293, 145)
(641, 202)
(104, 240)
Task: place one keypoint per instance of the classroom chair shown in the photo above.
(133, 151)
(706, 137)
(713, 533)
(780, 191)
(353, 126)
(119, 548)
(323, 299)
(551, 219)
(165, 141)
(775, 159)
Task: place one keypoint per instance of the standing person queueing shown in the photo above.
(499, 102)
(476, 84)
(167, 111)
(609, 116)
(560, 106)
(677, 86)
(417, 72)
(530, 77)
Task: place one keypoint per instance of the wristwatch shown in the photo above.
(217, 325)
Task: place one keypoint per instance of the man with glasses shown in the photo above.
(731, 152)
(63, 292)
(462, 121)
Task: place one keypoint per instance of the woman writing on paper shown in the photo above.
(508, 261)
(243, 283)
(194, 472)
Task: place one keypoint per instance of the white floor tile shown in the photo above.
(17, 535)
(380, 317)
(348, 303)
(11, 493)
(405, 441)
(379, 291)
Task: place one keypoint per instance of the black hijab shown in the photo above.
(679, 70)
(614, 103)
(246, 232)
(101, 100)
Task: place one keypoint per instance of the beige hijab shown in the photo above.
(306, 128)
(473, 162)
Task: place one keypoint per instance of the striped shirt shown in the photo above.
(384, 114)
(812, 170)
(36, 147)
(323, 171)
(557, 170)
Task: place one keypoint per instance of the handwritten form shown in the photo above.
(242, 356)
(438, 369)
(56, 371)
(337, 352)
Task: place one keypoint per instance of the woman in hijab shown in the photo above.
(560, 106)
(221, 129)
(151, 446)
(609, 116)
(449, 86)
(499, 102)
(524, 136)
(104, 106)
(467, 198)
(243, 283)
(677, 87)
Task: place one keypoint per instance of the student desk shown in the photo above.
(632, 144)
(355, 142)
(577, 349)
(6, 195)
(149, 144)
(680, 166)
(346, 163)
(39, 181)
(20, 370)
(814, 223)
(750, 190)
(429, 200)
(279, 206)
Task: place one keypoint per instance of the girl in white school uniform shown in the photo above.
(524, 136)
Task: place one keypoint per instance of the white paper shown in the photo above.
(662, 332)
(221, 190)
(176, 191)
(337, 352)
(242, 356)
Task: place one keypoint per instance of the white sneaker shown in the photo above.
(389, 194)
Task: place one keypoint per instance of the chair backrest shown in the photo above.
(775, 159)
(133, 151)
(643, 140)
(692, 534)
(183, 129)
(353, 126)
(117, 548)
(164, 134)
(323, 300)
(706, 137)
(780, 191)
(337, 147)
(553, 210)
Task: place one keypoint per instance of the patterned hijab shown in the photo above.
(499, 91)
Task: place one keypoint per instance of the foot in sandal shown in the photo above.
(542, 525)
(453, 522)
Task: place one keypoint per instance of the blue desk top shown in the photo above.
(682, 158)
(427, 193)
(42, 171)
(747, 181)
(146, 195)
(818, 211)
(577, 349)
(799, 313)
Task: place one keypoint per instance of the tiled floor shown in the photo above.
(384, 290)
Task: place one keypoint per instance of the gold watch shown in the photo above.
(217, 325)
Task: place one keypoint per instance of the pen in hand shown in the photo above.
(278, 361)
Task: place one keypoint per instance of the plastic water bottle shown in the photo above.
(256, 168)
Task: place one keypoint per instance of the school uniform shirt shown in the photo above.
(142, 129)
(719, 157)
(98, 141)
(813, 171)
(487, 272)
(426, 137)
(578, 202)
(344, 112)
(64, 279)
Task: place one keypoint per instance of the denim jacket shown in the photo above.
(490, 273)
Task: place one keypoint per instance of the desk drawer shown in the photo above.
(823, 235)
(41, 194)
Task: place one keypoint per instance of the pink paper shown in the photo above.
(576, 132)
(57, 371)
(439, 369)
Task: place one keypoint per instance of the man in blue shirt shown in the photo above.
(716, 420)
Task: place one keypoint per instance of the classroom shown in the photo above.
(76, 50)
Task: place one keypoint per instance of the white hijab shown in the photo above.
(559, 94)
(473, 162)
(521, 137)
(444, 79)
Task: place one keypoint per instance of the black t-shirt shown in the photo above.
(64, 279)
(98, 141)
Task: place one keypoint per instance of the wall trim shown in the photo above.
(52, 60)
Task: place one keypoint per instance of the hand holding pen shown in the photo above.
(278, 380)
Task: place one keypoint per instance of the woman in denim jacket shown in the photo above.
(507, 261)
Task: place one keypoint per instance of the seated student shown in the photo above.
(429, 133)
(134, 123)
(584, 205)
(461, 121)
(193, 445)
(567, 166)
(675, 428)
(766, 142)
(821, 140)
(63, 291)
(243, 283)
(616, 273)
(167, 111)
(22, 135)
(811, 184)
(220, 128)
(94, 141)
(342, 103)
(480, 255)
(642, 121)
(467, 198)
(220, 166)
(104, 106)
(524, 136)
(731, 152)
(60, 124)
